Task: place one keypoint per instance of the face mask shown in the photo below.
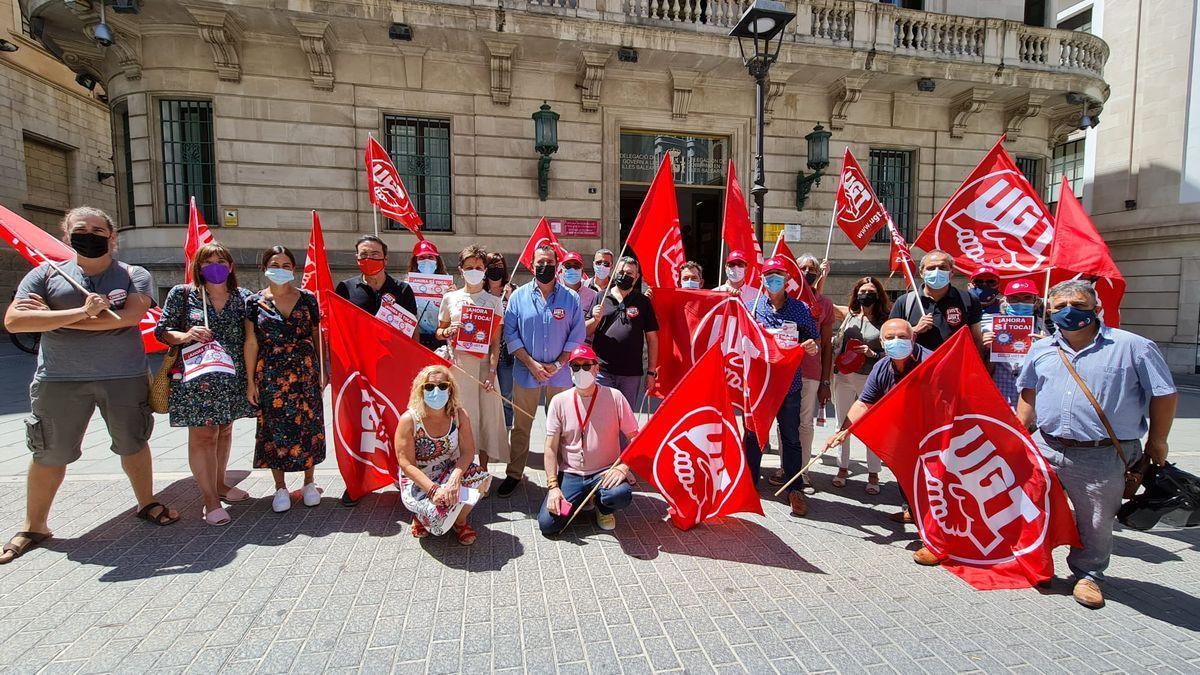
(583, 379)
(427, 266)
(544, 273)
(898, 348)
(774, 282)
(984, 295)
(811, 278)
(473, 277)
(735, 274)
(624, 281)
(936, 279)
(1020, 309)
(370, 267)
(602, 271)
(690, 284)
(867, 299)
(571, 277)
(1072, 318)
(215, 273)
(495, 273)
(279, 276)
(437, 398)
(89, 245)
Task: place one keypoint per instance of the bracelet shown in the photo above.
(552, 484)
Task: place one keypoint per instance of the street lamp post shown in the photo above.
(761, 29)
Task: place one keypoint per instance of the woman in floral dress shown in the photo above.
(434, 448)
(208, 404)
(282, 333)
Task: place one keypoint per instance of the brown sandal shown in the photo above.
(162, 518)
(33, 539)
(466, 535)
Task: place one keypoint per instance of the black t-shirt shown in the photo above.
(956, 309)
(361, 294)
(621, 334)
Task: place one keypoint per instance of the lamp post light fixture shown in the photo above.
(760, 36)
(545, 141)
(818, 159)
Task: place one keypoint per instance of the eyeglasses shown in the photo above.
(429, 386)
(990, 283)
(576, 367)
(370, 256)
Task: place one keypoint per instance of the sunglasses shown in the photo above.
(431, 386)
(576, 367)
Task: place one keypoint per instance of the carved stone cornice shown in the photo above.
(682, 84)
(964, 106)
(316, 40)
(843, 93)
(591, 76)
(1020, 110)
(500, 63)
(223, 33)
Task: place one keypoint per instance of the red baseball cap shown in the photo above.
(583, 353)
(1020, 287)
(775, 264)
(424, 247)
(985, 271)
(735, 256)
(571, 256)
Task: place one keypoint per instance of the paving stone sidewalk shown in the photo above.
(330, 588)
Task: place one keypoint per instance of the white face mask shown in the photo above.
(583, 378)
(689, 284)
(602, 271)
(473, 277)
(735, 274)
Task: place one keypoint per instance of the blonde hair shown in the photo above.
(416, 398)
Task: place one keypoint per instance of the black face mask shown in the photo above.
(544, 273)
(811, 278)
(89, 245)
(867, 299)
(624, 281)
(495, 273)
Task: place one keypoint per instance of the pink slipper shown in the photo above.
(235, 495)
(217, 517)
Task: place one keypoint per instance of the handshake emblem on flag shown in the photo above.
(1017, 224)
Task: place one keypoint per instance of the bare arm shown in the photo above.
(406, 455)
(250, 354)
(130, 315)
(854, 414)
(826, 350)
(550, 458)
(1162, 414)
(1025, 409)
(32, 315)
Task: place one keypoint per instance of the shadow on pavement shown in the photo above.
(1160, 602)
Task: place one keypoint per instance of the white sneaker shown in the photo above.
(311, 495)
(606, 522)
(282, 500)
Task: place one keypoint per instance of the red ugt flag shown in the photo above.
(654, 237)
(692, 452)
(1079, 251)
(901, 259)
(797, 286)
(316, 277)
(855, 208)
(737, 231)
(198, 235)
(386, 190)
(372, 366)
(995, 218)
(984, 499)
(542, 235)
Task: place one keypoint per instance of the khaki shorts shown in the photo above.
(60, 411)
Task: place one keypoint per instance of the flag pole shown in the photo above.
(801, 472)
(1046, 293)
(829, 240)
(494, 391)
(374, 208)
(595, 489)
(721, 262)
(68, 278)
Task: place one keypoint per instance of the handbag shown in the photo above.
(160, 384)
(1133, 474)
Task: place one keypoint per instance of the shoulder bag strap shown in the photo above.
(908, 305)
(1112, 436)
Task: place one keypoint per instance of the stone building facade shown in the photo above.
(55, 140)
(262, 110)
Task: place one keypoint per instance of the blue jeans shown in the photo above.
(574, 488)
(630, 386)
(788, 418)
(504, 377)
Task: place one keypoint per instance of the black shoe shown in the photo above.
(508, 486)
(347, 501)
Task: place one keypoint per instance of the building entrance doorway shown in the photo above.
(699, 163)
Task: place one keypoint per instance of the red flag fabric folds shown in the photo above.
(691, 450)
(797, 286)
(542, 235)
(856, 210)
(654, 237)
(737, 231)
(984, 499)
(372, 367)
(995, 218)
(1080, 252)
(198, 235)
(386, 190)
(901, 259)
(317, 277)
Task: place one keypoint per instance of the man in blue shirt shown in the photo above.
(542, 326)
(789, 318)
(1128, 377)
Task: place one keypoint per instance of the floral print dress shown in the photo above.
(436, 458)
(291, 417)
(218, 398)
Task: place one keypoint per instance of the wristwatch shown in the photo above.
(652, 372)
(825, 382)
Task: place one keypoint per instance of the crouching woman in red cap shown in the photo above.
(583, 445)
